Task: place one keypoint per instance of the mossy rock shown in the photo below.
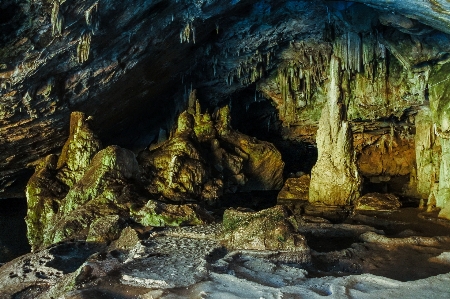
(160, 214)
(269, 229)
(105, 229)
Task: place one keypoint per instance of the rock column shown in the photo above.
(439, 91)
(334, 179)
(427, 156)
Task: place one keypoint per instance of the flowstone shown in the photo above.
(334, 178)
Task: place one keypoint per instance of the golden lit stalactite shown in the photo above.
(185, 33)
(84, 45)
(91, 16)
(57, 19)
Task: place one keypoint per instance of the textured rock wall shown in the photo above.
(440, 106)
(428, 156)
(90, 193)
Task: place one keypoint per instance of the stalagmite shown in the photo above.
(334, 178)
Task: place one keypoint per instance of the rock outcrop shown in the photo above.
(271, 229)
(295, 188)
(205, 158)
(334, 178)
(54, 176)
(377, 202)
(91, 194)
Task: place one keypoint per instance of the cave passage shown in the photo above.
(13, 239)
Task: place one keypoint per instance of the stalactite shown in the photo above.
(350, 49)
(57, 19)
(298, 77)
(185, 33)
(91, 16)
(84, 45)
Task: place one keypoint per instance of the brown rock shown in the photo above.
(295, 188)
(180, 169)
(268, 229)
(378, 202)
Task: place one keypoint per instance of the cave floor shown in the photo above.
(398, 254)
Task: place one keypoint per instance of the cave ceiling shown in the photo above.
(131, 64)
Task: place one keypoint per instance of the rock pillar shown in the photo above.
(427, 156)
(439, 95)
(334, 179)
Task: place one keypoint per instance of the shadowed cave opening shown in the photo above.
(13, 239)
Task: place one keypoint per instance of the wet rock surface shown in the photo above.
(378, 202)
(295, 188)
(205, 158)
(191, 261)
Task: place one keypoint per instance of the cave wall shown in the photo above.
(132, 65)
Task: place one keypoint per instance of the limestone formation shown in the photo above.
(334, 178)
(377, 202)
(295, 188)
(83, 48)
(44, 194)
(57, 19)
(180, 170)
(440, 107)
(268, 229)
(78, 151)
(137, 58)
(427, 155)
(90, 193)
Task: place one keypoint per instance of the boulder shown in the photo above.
(160, 214)
(378, 202)
(295, 188)
(269, 229)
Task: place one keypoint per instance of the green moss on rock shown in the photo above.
(160, 214)
(268, 229)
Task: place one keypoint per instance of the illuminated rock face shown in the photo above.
(77, 195)
(440, 108)
(334, 178)
(205, 158)
(90, 193)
